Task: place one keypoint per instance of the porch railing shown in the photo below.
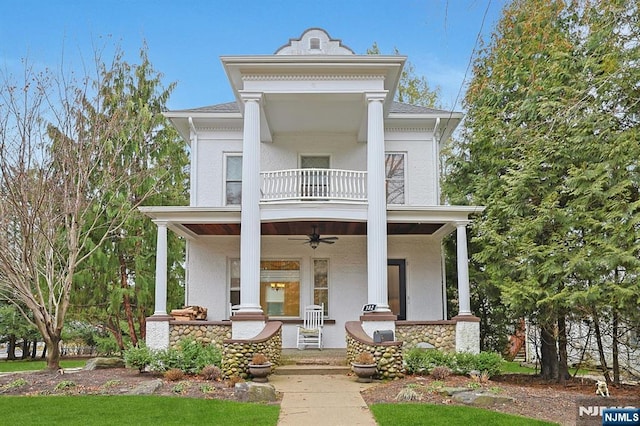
(314, 185)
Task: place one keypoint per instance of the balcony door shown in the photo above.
(314, 183)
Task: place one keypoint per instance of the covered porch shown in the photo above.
(414, 236)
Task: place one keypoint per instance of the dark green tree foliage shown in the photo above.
(116, 288)
(551, 148)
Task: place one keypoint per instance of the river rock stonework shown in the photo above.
(236, 356)
(442, 335)
(388, 357)
(205, 333)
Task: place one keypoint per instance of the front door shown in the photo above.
(397, 291)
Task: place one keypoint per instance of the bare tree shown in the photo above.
(60, 153)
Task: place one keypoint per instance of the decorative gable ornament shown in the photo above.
(314, 41)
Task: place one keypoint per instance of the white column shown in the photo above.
(161, 269)
(377, 211)
(464, 297)
(250, 215)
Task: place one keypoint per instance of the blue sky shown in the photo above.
(186, 38)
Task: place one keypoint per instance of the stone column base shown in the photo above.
(247, 325)
(467, 333)
(158, 332)
(373, 322)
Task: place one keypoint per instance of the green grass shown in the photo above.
(512, 367)
(29, 365)
(449, 415)
(134, 410)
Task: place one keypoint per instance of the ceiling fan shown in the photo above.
(314, 239)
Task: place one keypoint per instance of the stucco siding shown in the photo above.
(209, 282)
(421, 170)
(424, 275)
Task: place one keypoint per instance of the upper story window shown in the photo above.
(233, 179)
(314, 43)
(395, 176)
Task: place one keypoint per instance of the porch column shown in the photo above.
(377, 212)
(157, 325)
(464, 297)
(250, 214)
(161, 269)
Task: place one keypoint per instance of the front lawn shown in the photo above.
(33, 365)
(446, 415)
(133, 410)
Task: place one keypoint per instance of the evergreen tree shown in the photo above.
(551, 148)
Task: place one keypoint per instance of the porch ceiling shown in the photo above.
(305, 227)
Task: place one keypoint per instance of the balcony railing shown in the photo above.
(314, 185)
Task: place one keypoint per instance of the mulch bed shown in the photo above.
(533, 397)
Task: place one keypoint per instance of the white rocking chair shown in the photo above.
(310, 332)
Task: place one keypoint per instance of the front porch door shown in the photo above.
(397, 287)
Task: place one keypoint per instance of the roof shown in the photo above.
(396, 107)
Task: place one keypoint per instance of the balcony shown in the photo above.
(313, 185)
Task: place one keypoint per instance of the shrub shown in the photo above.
(419, 361)
(196, 356)
(138, 357)
(464, 362)
(415, 360)
(365, 358)
(259, 359)
(441, 372)
(211, 372)
(235, 379)
(64, 385)
(489, 362)
(408, 393)
(166, 359)
(173, 374)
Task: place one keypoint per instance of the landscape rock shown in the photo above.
(102, 362)
(255, 392)
(481, 398)
(146, 388)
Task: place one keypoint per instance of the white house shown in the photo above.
(314, 146)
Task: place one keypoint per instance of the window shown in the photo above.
(234, 276)
(279, 286)
(233, 179)
(321, 284)
(314, 43)
(394, 172)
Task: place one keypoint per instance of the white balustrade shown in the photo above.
(314, 185)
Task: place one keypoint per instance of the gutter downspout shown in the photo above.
(193, 137)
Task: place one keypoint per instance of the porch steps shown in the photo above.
(313, 362)
(521, 356)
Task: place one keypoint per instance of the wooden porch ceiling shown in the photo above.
(306, 227)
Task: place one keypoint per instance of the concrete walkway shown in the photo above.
(311, 400)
